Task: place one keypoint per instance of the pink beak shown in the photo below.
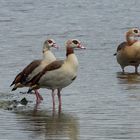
(81, 46)
(55, 46)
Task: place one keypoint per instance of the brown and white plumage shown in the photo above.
(59, 73)
(128, 52)
(35, 67)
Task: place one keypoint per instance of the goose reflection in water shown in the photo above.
(130, 80)
(48, 124)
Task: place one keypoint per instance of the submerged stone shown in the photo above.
(24, 101)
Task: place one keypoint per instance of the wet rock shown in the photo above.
(17, 104)
(24, 101)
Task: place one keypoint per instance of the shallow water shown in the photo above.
(102, 103)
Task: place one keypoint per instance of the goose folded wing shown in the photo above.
(52, 66)
(21, 77)
(121, 46)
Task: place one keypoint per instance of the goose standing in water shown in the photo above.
(128, 52)
(35, 67)
(59, 73)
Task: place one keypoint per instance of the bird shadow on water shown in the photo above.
(48, 124)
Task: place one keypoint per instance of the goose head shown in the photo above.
(74, 43)
(48, 44)
(132, 34)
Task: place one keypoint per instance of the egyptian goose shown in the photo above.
(59, 73)
(35, 67)
(128, 52)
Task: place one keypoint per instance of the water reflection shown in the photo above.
(128, 78)
(48, 124)
(129, 81)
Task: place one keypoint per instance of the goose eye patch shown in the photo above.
(135, 31)
(75, 41)
(50, 41)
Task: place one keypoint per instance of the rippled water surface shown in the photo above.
(102, 103)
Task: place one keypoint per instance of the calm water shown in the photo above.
(101, 104)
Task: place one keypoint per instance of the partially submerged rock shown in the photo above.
(16, 104)
(24, 101)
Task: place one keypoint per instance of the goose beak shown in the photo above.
(81, 46)
(55, 46)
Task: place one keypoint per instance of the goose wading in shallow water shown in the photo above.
(35, 67)
(128, 52)
(59, 73)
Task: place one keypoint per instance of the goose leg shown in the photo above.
(38, 96)
(136, 69)
(122, 69)
(59, 99)
(53, 99)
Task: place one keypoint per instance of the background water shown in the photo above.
(101, 104)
